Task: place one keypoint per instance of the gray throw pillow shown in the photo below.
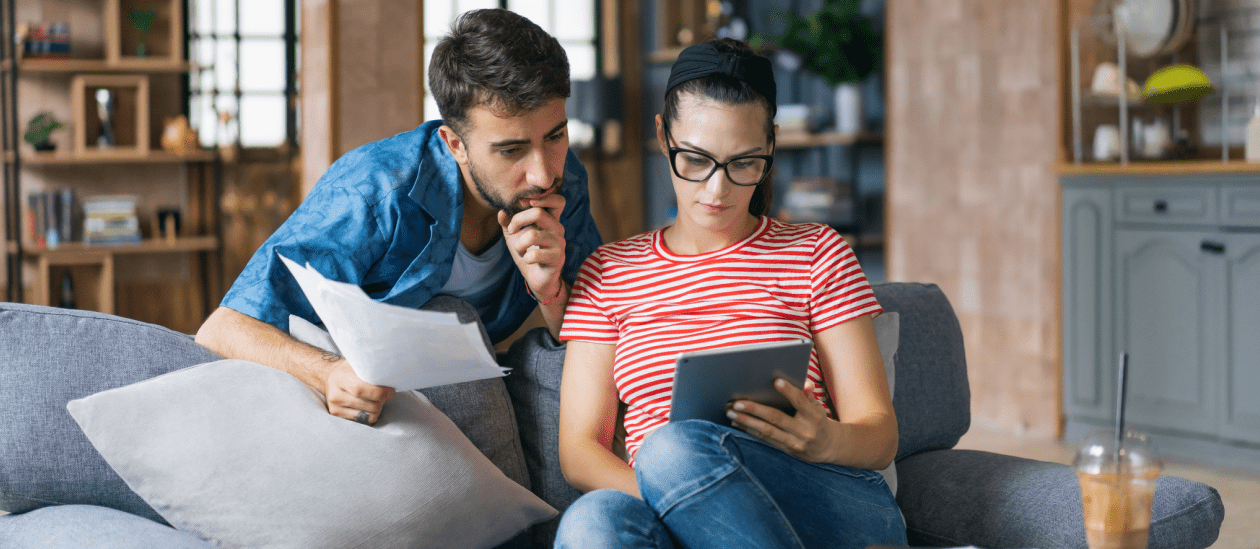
(247, 456)
(888, 335)
(482, 409)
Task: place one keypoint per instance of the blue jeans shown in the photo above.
(705, 485)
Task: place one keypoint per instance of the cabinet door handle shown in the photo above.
(1212, 247)
(1161, 206)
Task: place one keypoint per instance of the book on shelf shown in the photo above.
(51, 217)
(110, 220)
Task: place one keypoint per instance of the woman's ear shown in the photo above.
(454, 143)
(660, 135)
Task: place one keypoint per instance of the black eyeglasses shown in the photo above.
(745, 171)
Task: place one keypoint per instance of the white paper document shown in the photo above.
(396, 346)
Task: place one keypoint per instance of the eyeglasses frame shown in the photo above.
(673, 162)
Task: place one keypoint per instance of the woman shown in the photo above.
(724, 274)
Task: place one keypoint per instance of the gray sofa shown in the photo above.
(63, 494)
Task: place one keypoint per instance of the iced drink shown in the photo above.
(1117, 508)
(1116, 495)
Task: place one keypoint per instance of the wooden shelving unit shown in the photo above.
(132, 58)
(665, 55)
(69, 158)
(52, 66)
(76, 251)
(1160, 167)
(808, 140)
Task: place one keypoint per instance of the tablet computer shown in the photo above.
(705, 381)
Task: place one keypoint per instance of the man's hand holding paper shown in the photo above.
(391, 346)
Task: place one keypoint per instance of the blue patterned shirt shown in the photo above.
(386, 216)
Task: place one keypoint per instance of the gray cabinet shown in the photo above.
(1240, 405)
(1086, 325)
(1166, 269)
(1166, 319)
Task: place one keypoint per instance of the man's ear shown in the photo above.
(454, 143)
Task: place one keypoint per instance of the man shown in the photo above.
(490, 207)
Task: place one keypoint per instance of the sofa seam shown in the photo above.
(1184, 511)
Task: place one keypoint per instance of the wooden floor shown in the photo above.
(1240, 490)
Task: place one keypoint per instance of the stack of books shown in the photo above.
(51, 217)
(110, 220)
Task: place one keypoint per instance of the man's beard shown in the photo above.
(513, 206)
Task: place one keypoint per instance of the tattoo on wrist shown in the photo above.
(329, 357)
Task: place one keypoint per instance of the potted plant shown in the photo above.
(39, 129)
(839, 44)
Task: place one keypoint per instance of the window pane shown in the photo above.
(201, 110)
(205, 82)
(581, 61)
(225, 65)
(224, 16)
(466, 5)
(538, 11)
(430, 106)
(264, 17)
(202, 51)
(262, 120)
(262, 65)
(437, 17)
(577, 21)
(225, 132)
(203, 17)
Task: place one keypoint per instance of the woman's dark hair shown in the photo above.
(731, 91)
(497, 58)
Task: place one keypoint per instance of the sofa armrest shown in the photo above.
(967, 497)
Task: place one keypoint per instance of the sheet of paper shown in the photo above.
(395, 346)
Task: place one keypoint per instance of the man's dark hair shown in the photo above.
(730, 91)
(496, 58)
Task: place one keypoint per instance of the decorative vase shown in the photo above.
(45, 146)
(848, 107)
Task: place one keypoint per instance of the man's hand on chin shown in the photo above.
(535, 238)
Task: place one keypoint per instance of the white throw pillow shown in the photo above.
(247, 456)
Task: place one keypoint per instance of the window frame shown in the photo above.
(289, 94)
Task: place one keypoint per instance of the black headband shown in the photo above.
(702, 60)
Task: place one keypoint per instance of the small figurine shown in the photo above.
(178, 137)
(105, 112)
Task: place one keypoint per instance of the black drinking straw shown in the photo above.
(1121, 390)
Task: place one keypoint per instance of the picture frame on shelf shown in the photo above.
(111, 114)
(144, 33)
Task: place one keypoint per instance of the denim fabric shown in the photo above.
(612, 519)
(49, 357)
(714, 486)
(386, 216)
(537, 361)
(933, 398)
(90, 527)
(965, 497)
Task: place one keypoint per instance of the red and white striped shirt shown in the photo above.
(783, 282)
